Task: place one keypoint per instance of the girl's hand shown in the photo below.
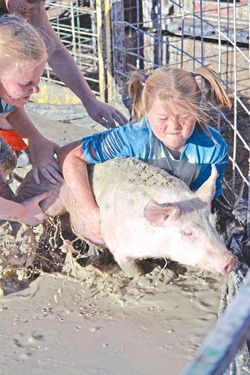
(105, 114)
(42, 154)
(31, 212)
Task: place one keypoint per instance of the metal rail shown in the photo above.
(224, 341)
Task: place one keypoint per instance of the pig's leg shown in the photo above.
(129, 267)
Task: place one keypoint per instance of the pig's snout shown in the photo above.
(229, 264)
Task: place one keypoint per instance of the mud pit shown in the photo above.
(85, 316)
(93, 320)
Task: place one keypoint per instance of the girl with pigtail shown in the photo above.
(169, 129)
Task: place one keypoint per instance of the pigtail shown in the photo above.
(214, 91)
(135, 90)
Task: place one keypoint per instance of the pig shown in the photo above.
(145, 213)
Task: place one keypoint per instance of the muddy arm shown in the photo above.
(76, 177)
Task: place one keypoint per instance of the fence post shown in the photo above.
(100, 49)
(118, 34)
(109, 67)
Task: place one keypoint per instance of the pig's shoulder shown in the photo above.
(141, 173)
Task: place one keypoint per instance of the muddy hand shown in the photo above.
(32, 213)
(105, 114)
(42, 155)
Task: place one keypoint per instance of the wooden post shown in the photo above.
(108, 42)
(118, 34)
(100, 48)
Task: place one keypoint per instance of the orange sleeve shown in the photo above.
(13, 139)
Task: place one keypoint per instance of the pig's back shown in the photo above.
(123, 179)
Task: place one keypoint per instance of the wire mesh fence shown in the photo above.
(75, 22)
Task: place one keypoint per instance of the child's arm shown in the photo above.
(96, 148)
(41, 149)
(68, 71)
(27, 212)
(75, 173)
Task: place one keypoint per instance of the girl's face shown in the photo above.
(173, 130)
(18, 84)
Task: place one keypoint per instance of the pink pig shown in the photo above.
(145, 213)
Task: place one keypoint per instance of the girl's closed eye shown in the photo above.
(25, 85)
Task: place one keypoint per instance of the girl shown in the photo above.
(22, 60)
(170, 132)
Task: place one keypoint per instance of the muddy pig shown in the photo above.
(145, 213)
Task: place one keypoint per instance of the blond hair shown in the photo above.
(20, 42)
(177, 88)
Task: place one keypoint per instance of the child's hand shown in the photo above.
(42, 155)
(104, 114)
(31, 212)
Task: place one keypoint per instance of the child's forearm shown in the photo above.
(10, 210)
(75, 173)
(23, 124)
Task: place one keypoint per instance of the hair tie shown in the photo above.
(194, 74)
(145, 77)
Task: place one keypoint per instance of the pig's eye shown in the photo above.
(188, 233)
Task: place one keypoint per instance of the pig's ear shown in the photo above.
(157, 214)
(207, 190)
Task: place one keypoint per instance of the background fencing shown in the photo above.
(76, 24)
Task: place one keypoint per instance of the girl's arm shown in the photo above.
(97, 148)
(27, 212)
(68, 71)
(42, 151)
(75, 173)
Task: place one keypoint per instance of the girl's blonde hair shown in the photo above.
(20, 42)
(177, 89)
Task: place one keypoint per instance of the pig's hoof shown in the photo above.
(131, 268)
